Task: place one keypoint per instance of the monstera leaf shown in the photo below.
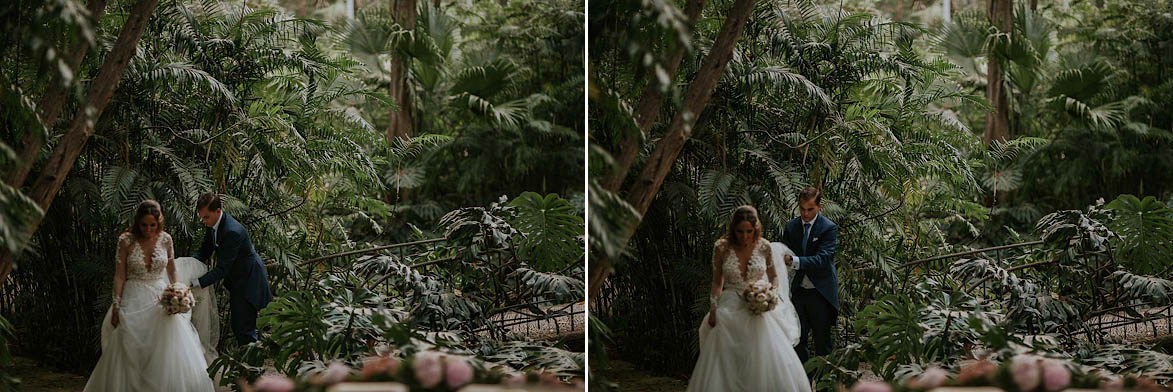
(551, 228)
(557, 287)
(532, 356)
(1149, 289)
(1147, 229)
(479, 228)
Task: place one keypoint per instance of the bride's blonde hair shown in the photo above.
(744, 213)
(147, 207)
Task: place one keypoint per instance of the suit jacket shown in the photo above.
(817, 261)
(237, 261)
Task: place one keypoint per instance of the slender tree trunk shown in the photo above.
(51, 104)
(998, 121)
(49, 182)
(648, 110)
(680, 129)
(1034, 5)
(400, 126)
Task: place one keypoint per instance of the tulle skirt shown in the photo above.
(149, 350)
(748, 352)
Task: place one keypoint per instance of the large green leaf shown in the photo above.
(552, 230)
(1147, 229)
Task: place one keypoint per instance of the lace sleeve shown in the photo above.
(771, 273)
(169, 244)
(124, 242)
(719, 249)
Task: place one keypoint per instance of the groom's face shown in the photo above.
(208, 218)
(808, 209)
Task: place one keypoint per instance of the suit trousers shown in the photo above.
(816, 317)
(244, 320)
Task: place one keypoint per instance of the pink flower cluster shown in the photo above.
(429, 369)
(1031, 372)
(177, 298)
(759, 297)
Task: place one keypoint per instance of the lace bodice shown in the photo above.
(755, 269)
(136, 262)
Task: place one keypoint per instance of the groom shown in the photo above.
(236, 260)
(815, 291)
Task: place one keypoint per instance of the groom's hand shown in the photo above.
(789, 260)
(195, 283)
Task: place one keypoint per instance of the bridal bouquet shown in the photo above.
(177, 298)
(759, 297)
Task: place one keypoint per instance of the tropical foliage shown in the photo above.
(285, 116)
(886, 117)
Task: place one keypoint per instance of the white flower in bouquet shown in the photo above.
(177, 298)
(759, 297)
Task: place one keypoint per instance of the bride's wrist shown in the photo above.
(117, 300)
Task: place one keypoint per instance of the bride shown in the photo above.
(740, 350)
(144, 348)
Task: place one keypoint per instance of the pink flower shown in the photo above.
(1113, 384)
(871, 386)
(458, 372)
(335, 373)
(1055, 375)
(1025, 371)
(379, 365)
(274, 383)
(932, 377)
(976, 370)
(549, 379)
(429, 371)
(515, 380)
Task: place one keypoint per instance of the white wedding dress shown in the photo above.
(151, 350)
(748, 352)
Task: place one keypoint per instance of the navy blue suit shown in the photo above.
(237, 262)
(819, 307)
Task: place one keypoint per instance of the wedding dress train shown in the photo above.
(748, 352)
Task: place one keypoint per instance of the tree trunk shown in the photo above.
(998, 121)
(49, 182)
(400, 126)
(50, 105)
(1034, 5)
(648, 110)
(680, 129)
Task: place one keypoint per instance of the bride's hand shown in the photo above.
(712, 319)
(114, 318)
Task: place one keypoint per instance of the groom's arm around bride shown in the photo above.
(237, 263)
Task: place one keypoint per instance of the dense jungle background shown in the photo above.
(448, 132)
(1001, 173)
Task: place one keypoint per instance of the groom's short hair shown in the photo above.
(210, 201)
(811, 193)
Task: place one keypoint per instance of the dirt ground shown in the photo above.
(631, 379)
(35, 377)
